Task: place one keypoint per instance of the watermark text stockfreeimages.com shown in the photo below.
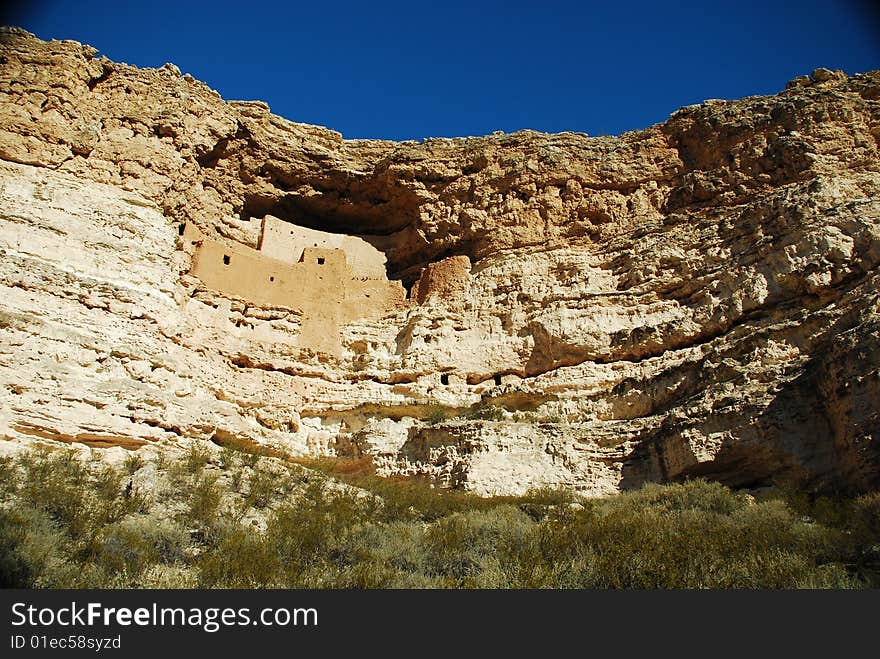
(209, 619)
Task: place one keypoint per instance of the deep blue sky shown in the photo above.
(409, 70)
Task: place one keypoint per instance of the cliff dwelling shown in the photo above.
(331, 279)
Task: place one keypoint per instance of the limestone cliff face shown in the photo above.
(698, 298)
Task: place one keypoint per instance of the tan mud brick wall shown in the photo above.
(322, 285)
(446, 279)
(285, 241)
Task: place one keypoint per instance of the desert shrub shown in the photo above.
(33, 550)
(265, 487)
(233, 467)
(438, 414)
(66, 523)
(8, 477)
(864, 516)
(133, 463)
(165, 576)
(461, 546)
(239, 559)
(695, 535)
(366, 574)
(548, 496)
(833, 576)
(857, 521)
(549, 555)
(15, 571)
(190, 467)
(56, 483)
(864, 535)
(486, 412)
(394, 547)
(249, 459)
(202, 510)
(135, 544)
(699, 495)
(539, 502)
(228, 458)
(192, 484)
(308, 531)
(110, 499)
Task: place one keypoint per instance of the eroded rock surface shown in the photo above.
(697, 298)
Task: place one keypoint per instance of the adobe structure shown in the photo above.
(331, 279)
(446, 279)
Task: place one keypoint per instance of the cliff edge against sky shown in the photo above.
(696, 298)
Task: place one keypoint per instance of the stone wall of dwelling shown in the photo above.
(371, 298)
(285, 241)
(321, 285)
(245, 273)
(446, 280)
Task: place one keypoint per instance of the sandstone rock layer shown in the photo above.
(696, 298)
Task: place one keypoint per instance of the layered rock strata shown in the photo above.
(697, 298)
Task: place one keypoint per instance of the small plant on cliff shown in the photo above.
(202, 510)
(8, 474)
(437, 414)
(486, 412)
(133, 463)
(263, 488)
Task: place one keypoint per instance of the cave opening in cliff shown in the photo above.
(384, 229)
(387, 215)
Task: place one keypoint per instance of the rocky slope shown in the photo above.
(697, 298)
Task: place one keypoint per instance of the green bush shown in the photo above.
(263, 489)
(8, 477)
(202, 509)
(486, 411)
(66, 523)
(438, 414)
(15, 570)
(464, 547)
(307, 532)
(139, 542)
(133, 463)
(240, 559)
(55, 483)
(694, 535)
(382, 556)
(34, 553)
(189, 468)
